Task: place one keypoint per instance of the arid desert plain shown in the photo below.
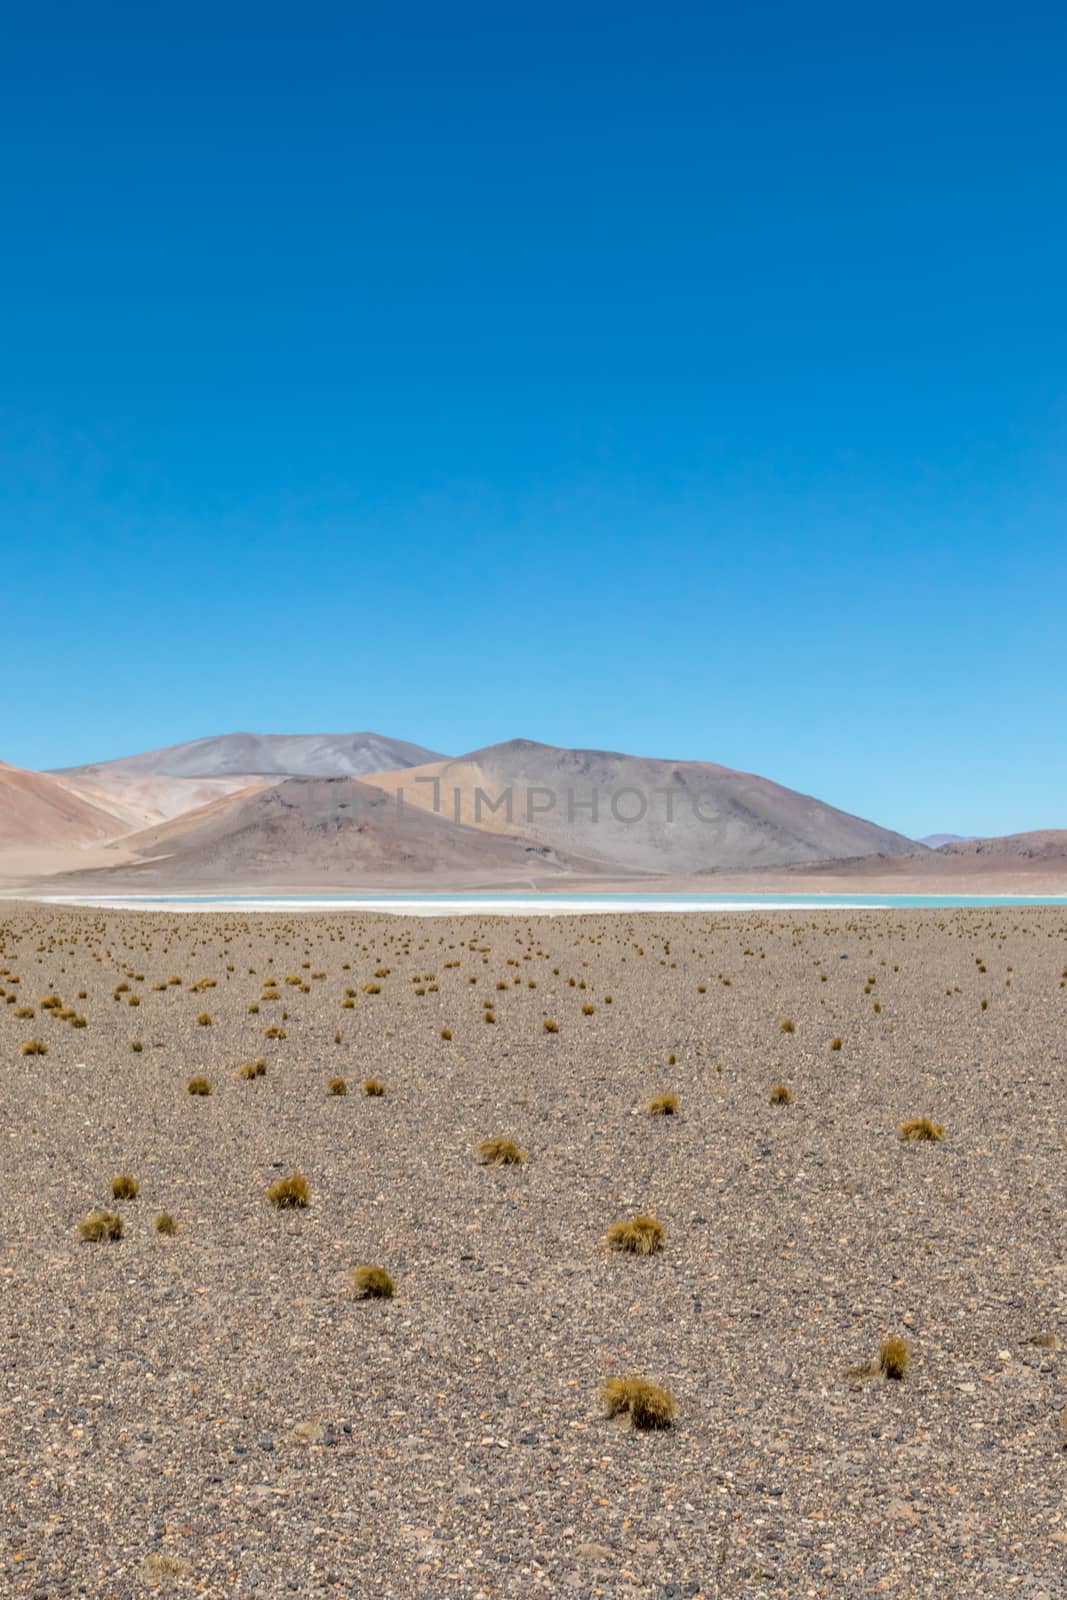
(217, 1411)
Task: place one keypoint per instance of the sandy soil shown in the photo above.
(215, 1413)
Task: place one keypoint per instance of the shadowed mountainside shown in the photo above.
(322, 832)
(696, 815)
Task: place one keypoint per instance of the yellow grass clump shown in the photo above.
(500, 1153)
(646, 1403)
(165, 1223)
(372, 1283)
(34, 1047)
(199, 1085)
(921, 1130)
(663, 1105)
(337, 1086)
(100, 1225)
(124, 1187)
(638, 1236)
(372, 1087)
(893, 1358)
(290, 1194)
(780, 1095)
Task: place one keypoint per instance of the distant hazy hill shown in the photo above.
(1044, 844)
(936, 840)
(1018, 863)
(276, 755)
(696, 816)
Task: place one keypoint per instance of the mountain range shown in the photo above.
(363, 810)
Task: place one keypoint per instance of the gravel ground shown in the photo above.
(216, 1413)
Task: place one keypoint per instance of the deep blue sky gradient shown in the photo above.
(685, 379)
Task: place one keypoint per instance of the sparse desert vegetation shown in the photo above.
(241, 1350)
(500, 1153)
(100, 1225)
(663, 1105)
(372, 1283)
(920, 1130)
(290, 1194)
(893, 1358)
(645, 1403)
(638, 1236)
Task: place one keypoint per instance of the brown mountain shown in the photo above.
(1044, 844)
(325, 833)
(688, 816)
(1019, 863)
(38, 810)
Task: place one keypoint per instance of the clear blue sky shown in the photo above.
(683, 379)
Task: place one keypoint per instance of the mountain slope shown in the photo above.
(688, 816)
(277, 755)
(38, 810)
(318, 832)
(1043, 844)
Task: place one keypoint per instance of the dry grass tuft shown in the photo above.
(835, 1044)
(252, 1069)
(372, 1283)
(124, 1187)
(204, 1019)
(100, 1225)
(640, 1236)
(550, 1026)
(290, 1194)
(921, 1130)
(199, 1085)
(500, 1153)
(664, 1105)
(1045, 1341)
(337, 1086)
(646, 1404)
(893, 1358)
(159, 1566)
(372, 1087)
(34, 1047)
(780, 1095)
(164, 1223)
